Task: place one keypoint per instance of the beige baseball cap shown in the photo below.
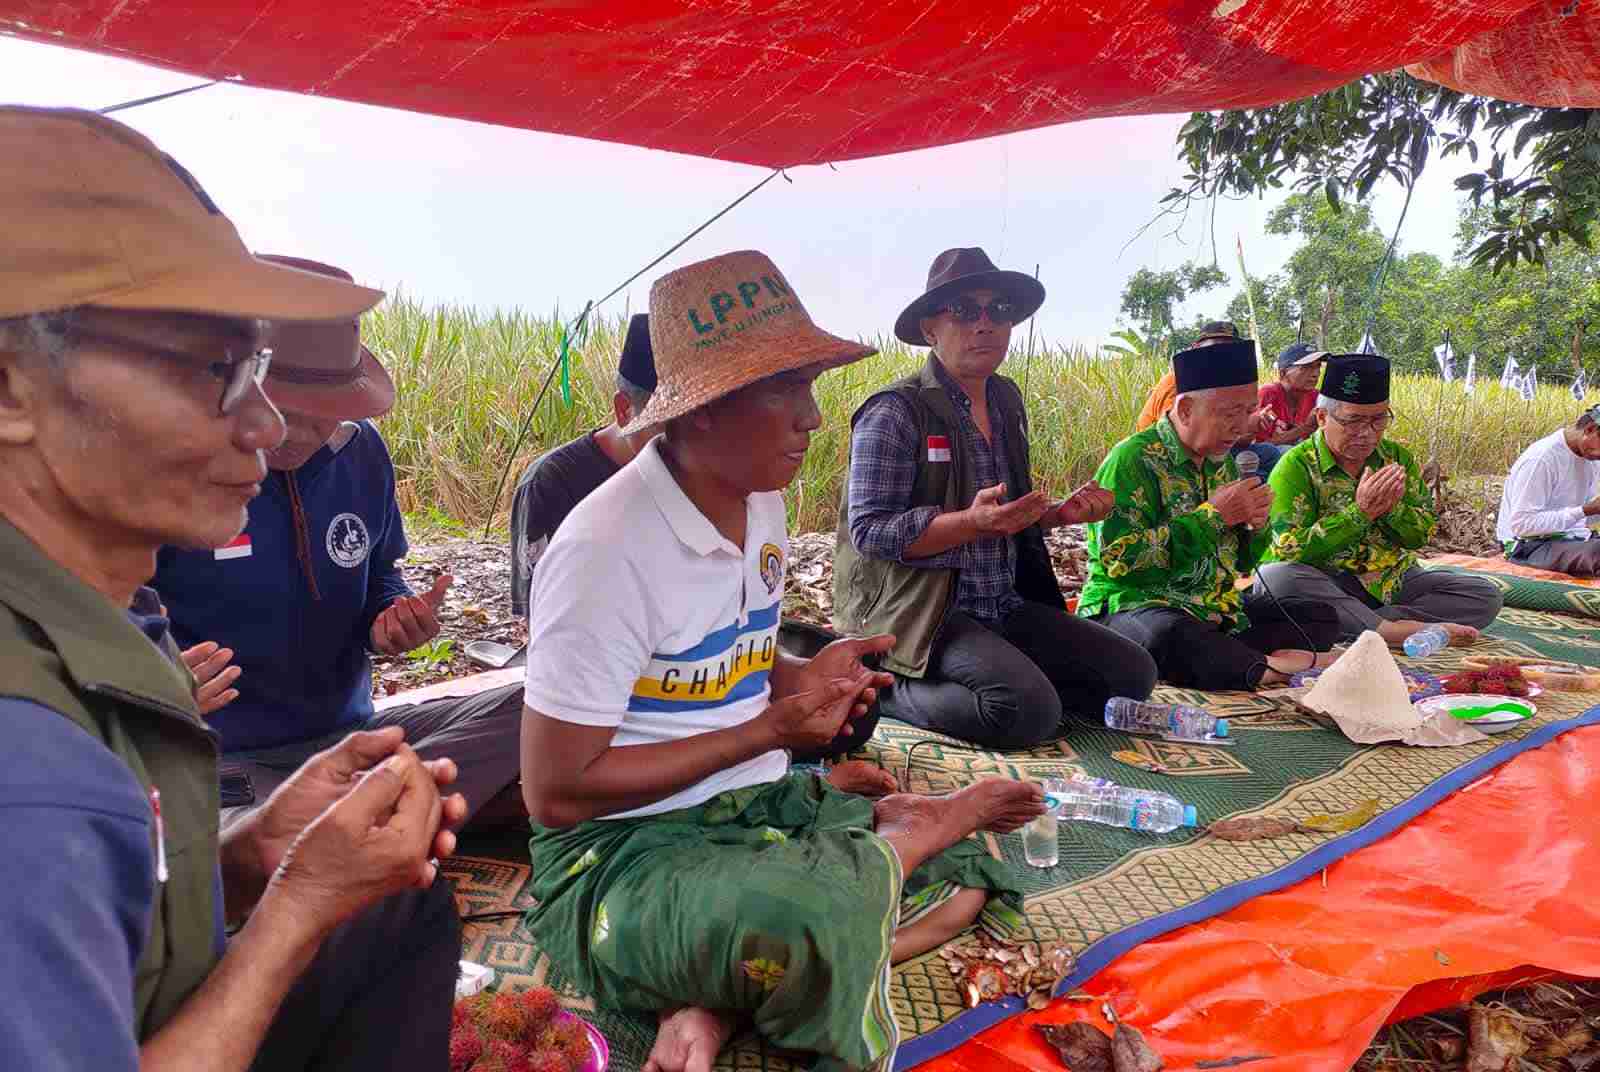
(93, 213)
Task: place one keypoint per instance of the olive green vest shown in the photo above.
(874, 595)
(65, 647)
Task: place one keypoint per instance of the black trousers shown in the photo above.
(1004, 685)
(378, 994)
(1198, 655)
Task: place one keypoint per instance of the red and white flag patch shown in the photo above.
(938, 448)
(238, 547)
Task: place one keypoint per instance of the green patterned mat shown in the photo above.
(1529, 593)
(1285, 763)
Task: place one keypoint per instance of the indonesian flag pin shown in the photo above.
(938, 448)
(238, 547)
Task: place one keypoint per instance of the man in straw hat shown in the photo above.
(132, 415)
(1550, 497)
(555, 484)
(941, 533)
(1164, 567)
(312, 585)
(677, 866)
(1349, 511)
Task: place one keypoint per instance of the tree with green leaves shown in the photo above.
(1540, 313)
(1149, 298)
(1539, 186)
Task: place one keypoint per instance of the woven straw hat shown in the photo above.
(723, 324)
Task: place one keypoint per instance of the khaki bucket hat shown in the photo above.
(93, 213)
(725, 323)
(321, 367)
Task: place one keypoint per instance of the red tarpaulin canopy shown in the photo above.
(783, 82)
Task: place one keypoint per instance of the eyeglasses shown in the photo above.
(1375, 424)
(967, 311)
(239, 371)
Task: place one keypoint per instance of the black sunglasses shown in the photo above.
(967, 311)
(244, 365)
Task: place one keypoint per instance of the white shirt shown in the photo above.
(1545, 492)
(644, 617)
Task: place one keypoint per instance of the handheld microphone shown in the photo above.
(1249, 463)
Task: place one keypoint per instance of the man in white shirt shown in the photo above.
(678, 867)
(1549, 498)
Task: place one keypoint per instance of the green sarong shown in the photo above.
(776, 900)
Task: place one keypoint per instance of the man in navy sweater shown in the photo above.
(311, 586)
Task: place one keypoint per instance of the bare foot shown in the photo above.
(1395, 633)
(921, 827)
(688, 1040)
(862, 778)
(1286, 662)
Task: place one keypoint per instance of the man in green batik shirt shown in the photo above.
(1350, 510)
(1164, 567)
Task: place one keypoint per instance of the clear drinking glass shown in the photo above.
(1041, 846)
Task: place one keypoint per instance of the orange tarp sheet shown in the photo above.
(1501, 875)
(782, 82)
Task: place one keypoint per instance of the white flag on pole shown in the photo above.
(1472, 372)
(1447, 361)
(1367, 345)
(1530, 384)
(1508, 375)
(1580, 386)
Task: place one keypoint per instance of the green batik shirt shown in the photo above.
(1315, 519)
(1164, 545)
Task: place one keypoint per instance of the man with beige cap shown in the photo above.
(678, 866)
(313, 585)
(132, 415)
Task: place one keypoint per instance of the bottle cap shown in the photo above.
(1222, 728)
(1190, 816)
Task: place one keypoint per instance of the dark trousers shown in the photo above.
(480, 732)
(1198, 655)
(1577, 558)
(378, 994)
(1004, 685)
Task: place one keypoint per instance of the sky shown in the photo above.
(452, 211)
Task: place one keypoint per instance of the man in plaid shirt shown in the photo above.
(941, 533)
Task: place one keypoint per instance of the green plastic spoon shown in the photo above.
(1469, 713)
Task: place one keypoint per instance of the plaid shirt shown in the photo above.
(884, 455)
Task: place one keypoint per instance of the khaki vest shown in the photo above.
(62, 645)
(874, 595)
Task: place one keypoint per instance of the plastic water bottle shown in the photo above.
(1116, 805)
(1424, 642)
(1040, 846)
(1163, 720)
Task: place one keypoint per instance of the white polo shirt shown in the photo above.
(644, 617)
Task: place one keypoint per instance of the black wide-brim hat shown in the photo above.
(954, 273)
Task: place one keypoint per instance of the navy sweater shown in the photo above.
(301, 647)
